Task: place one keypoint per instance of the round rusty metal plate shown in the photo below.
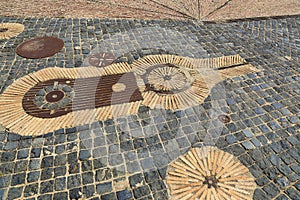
(55, 96)
(41, 47)
(224, 118)
(101, 59)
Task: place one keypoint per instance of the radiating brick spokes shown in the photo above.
(209, 173)
(168, 81)
(177, 82)
(8, 30)
(55, 98)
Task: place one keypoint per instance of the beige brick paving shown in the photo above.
(255, 8)
(150, 9)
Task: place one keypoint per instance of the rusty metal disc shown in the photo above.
(101, 59)
(224, 118)
(55, 96)
(41, 47)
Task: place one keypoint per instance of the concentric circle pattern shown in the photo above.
(209, 173)
(169, 81)
(54, 97)
(8, 30)
(224, 118)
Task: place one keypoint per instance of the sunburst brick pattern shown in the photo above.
(176, 82)
(209, 173)
(8, 30)
(168, 81)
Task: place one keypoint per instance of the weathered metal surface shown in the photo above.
(54, 100)
(41, 47)
(101, 59)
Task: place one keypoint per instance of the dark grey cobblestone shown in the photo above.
(86, 161)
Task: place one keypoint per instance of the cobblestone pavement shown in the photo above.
(127, 157)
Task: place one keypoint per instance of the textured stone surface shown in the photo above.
(87, 161)
(143, 9)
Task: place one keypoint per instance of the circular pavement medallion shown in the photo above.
(169, 81)
(54, 97)
(167, 78)
(209, 173)
(41, 47)
(8, 30)
(101, 59)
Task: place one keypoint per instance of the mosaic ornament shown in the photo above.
(41, 47)
(101, 59)
(55, 98)
(209, 173)
(175, 82)
(167, 81)
(8, 30)
(166, 78)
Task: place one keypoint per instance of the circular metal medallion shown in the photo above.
(54, 97)
(41, 47)
(101, 59)
(224, 118)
